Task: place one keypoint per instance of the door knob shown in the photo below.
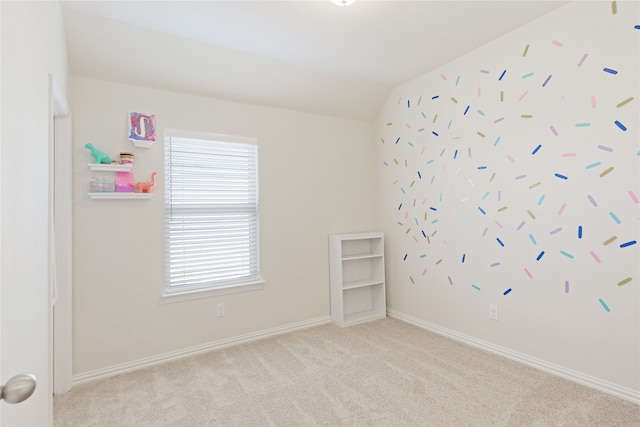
(18, 388)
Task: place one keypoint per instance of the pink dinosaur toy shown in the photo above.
(145, 187)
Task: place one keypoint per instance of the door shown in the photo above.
(32, 41)
(27, 267)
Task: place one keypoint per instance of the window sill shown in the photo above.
(169, 297)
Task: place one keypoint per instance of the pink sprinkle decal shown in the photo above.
(526, 270)
(564, 205)
(633, 196)
(582, 60)
(596, 257)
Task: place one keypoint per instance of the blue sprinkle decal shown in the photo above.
(609, 70)
(536, 149)
(567, 254)
(540, 255)
(500, 242)
(502, 75)
(506, 292)
(620, 125)
(615, 218)
(624, 245)
(593, 165)
(560, 176)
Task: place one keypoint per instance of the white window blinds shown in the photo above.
(211, 213)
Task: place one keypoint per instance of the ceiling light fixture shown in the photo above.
(343, 3)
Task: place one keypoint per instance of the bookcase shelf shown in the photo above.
(357, 277)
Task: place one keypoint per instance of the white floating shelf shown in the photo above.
(142, 144)
(120, 195)
(114, 167)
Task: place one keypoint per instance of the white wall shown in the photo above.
(315, 179)
(484, 159)
(33, 47)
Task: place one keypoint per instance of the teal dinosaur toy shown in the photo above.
(98, 155)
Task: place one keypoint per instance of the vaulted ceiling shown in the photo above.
(311, 56)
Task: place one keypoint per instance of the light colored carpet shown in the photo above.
(381, 373)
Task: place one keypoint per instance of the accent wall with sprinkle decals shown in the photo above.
(510, 177)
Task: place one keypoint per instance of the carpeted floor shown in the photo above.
(382, 373)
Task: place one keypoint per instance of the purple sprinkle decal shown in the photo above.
(593, 202)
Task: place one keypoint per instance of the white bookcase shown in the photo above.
(356, 264)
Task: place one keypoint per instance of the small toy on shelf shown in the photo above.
(98, 155)
(124, 180)
(145, 187)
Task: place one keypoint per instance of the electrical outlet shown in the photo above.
(220, 309)
(493, 311)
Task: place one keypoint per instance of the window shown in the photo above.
(211, 214)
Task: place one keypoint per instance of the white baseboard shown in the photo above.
(569, 374)
(191, 351)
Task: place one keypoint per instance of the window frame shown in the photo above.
(181, 293)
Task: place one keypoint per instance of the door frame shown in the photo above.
(60, 241)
